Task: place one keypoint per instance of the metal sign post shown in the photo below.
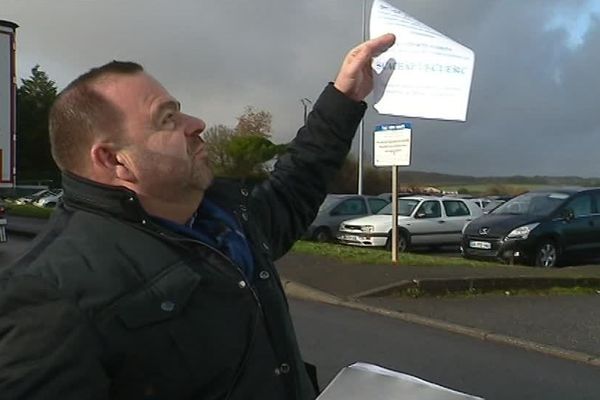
(392, 147)
(394, 213)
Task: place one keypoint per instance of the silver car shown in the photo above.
(337, 208)
(33, 197)
(422, 220)
(50, 200)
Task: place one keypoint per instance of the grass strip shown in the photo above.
(362, 255)
(28, 210)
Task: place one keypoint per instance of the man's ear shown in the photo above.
(110, 164)
(123, 169)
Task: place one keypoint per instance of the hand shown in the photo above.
(355, 78)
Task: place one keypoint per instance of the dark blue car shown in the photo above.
(540, 228)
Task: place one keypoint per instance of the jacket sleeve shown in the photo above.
(289, 200)
(47, 350)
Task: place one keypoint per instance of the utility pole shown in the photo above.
(361, 129)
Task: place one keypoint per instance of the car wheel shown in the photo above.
(403, 242)
(322, 235)
(50, 205)
(546, 254)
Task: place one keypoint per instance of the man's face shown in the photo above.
(162, 148)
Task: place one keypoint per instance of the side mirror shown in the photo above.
(420, 215)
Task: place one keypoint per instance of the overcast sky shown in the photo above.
(534, 107)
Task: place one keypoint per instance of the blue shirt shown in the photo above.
(219, 229)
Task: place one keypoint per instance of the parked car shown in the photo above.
(337, 208)
(33, 197)
(50, 200)
(422, 220)
(3, 236)
(539, 228)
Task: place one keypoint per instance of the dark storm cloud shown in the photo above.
(533, 107)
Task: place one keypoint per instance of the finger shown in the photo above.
(372, 48)
(382, 43)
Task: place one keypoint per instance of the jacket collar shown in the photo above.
(89, 195)
(120, 202)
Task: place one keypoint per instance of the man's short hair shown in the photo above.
(81, 114)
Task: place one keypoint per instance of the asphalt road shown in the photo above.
(333, 337)
(567, 321)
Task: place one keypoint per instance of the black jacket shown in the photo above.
(108, 305)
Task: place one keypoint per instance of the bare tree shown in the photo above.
(254, 122)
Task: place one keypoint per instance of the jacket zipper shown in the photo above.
(223, 255)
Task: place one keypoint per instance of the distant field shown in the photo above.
(511, 188)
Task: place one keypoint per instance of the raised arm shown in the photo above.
(288, 202)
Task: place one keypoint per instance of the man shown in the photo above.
(150, 282)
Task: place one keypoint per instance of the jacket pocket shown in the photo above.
(163, 298)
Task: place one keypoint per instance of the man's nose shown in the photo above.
(194, 126)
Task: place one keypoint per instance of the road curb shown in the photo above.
(304, 292)
(301, 291)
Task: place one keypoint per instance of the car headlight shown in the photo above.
(522, 232)
(367, 228)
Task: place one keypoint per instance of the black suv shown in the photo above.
(539, 228)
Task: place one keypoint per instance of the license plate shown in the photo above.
(480, 245)
(349, 238)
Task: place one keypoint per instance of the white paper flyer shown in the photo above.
(361, 381)
(425, 74)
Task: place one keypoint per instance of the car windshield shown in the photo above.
(535, 203)
(328, 202)
(405, 207)
(39, 195)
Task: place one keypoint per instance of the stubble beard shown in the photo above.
(183, 180)
(201, 176)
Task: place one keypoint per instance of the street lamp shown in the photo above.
(305, 103)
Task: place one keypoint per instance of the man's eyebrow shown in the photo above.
(167, 105)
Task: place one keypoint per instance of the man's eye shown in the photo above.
(170, 117)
